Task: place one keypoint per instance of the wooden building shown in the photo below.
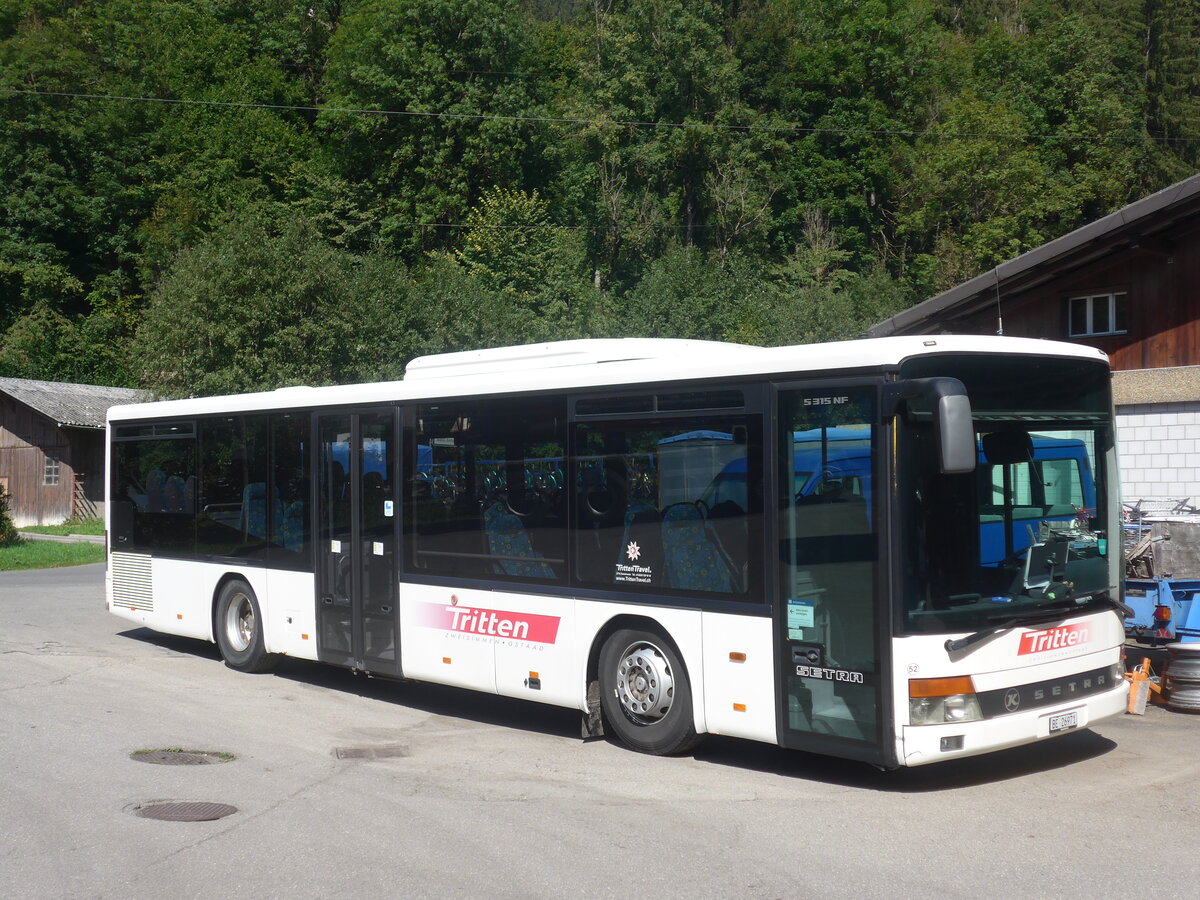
(52, 447)
(1128, 284)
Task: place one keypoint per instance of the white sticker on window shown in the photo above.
(377, 548)
(389, 508)
(335, 546)
(800, 615)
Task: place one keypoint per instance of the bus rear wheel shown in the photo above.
(239, 629)
(645, 694)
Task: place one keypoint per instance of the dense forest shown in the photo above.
(223, 195)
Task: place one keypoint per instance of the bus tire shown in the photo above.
(239, 629)
(645, 694)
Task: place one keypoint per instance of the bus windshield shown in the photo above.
(1027, 532)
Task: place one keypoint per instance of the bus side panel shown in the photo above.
(739, 676)
(290, 614)
(170, 595)
(537, 663)
(682, 626)
(183, 593)
(443, 635)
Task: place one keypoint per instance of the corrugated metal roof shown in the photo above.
(1126, 223)
(80, 405)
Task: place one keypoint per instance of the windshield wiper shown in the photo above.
(1030, 618)
(1045, 614)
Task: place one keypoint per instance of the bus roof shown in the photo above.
(566, 365)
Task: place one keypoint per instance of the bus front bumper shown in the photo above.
(924, 744)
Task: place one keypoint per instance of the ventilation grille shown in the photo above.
(133, 587)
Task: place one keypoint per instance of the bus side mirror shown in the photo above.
(944, 403)
(956, 433)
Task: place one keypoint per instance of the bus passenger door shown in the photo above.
(828, 620)
(356, 507)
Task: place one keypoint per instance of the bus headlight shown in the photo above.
(936, 701)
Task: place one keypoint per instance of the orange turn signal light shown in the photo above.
(940, 687)
(739, 707)
(735, 656)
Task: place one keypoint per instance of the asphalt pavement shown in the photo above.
(346, 786)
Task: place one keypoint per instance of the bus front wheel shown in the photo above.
(239, 628)
(644, 693)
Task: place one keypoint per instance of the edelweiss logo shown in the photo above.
(633, 551)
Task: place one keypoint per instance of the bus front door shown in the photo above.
(828, 623)
(356, 571)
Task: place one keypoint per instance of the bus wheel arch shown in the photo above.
(644, 688)
(238, 626)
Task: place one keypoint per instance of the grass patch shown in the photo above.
(75, 526)
(48, 555)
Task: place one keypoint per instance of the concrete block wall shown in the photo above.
(1159, 448)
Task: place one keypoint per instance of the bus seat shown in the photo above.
(254, 510)
(727, 523)
(291, 526)
(154, 490)
(173, 495)
(693, 559)
(506, 537)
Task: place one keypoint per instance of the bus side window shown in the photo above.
(489, 499)
(669, 503)
(291, 526)
(147, 516)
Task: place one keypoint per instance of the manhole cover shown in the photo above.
(181, 757)
(176, 811)
(392, 752)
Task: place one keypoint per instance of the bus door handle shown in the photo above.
(808, 654)
(327, 600)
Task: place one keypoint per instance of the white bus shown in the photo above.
(899, 550)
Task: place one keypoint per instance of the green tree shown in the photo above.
(446, 79)
(264, 302)
(97, 195)
(1173, 83)
(687, 293)
(673, 156)
(510, 242)
(8, 531)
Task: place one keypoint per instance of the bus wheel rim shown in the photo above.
(645, 684)
(239, 622)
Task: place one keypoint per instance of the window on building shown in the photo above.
(52, 471)
(1098, 314)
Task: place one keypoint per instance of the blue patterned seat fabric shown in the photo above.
(694, 561)
(506, 537)
(290, 531)
(254, 510)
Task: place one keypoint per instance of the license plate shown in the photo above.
(1064, 721)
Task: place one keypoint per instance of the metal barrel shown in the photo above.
(1183, 676)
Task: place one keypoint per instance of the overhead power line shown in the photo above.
(618, 123)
